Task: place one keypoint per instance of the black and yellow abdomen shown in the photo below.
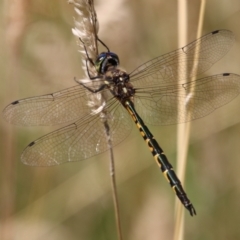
(160, 158)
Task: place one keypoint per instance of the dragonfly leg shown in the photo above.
(102, 86)
(89, 60)
(85, 49)
(103, 44)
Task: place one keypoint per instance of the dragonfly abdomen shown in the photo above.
(160, 158)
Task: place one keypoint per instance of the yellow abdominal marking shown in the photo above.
(132, 115)
(165, 175)
(142, 133)
(156, 159)
(138, 125)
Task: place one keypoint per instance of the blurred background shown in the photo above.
(39, 55)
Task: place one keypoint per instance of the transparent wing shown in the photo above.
(185, 102)
(191, 60)
(80, 140)
(64, 106)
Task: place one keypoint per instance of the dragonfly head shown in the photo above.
(106, 60)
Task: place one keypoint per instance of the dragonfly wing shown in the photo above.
(188, 101)
(189, 61)
(81, 140)
(64, 106)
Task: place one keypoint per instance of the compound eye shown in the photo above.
(106, 60)
(101, 57)
(114, 58)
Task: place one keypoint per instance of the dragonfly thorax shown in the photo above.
(118, 82)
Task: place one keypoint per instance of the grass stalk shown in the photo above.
(86, 29)
(184, 129)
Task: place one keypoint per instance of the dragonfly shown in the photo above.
(162, 91)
